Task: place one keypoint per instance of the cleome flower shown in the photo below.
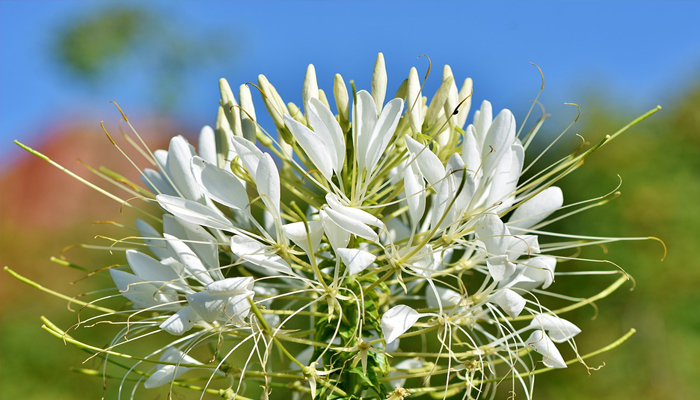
(374, 249)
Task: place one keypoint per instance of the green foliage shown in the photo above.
(347, 366)
(90, 46)
(100, 45)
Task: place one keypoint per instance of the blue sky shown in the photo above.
(637, 54)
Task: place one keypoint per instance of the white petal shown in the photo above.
(356, 260)
(482, 121)
(559, 329)
(193, 265)
(179, 155)
(541, 343)
(149, 269)
(172, 225)
(207, 144)
(533, 211)
(194, 212)
(494, 233)
(383, 132)
(498, 140)
(249, 154)
(511, 302)
(231, 286)
(464, 93)
(175, 355)
(220, 185)
(328, 130)
(203, 244)
(471, 151)
(365, 119)
(219, 308)
(414, 188)
(337, 236)
(157, 183)
(267, 179)
(422, 262)
(397, 321)
(161, 157)
(523, 245)
(429, 164)
(152, 238)
(540, 270)
(236, 310)
(164, 375)
(215, 307)
(444, 210)
(352, 212)
(254, 252)
(460, 172)
(352, 225)
(296, 231)
(312, 144)
(180, 322)
(505, 178)
(142, 294)
(500, 268)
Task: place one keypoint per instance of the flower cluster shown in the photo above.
(377, 249)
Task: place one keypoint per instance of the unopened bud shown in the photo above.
(296, 113)
(323, 98)
(247, 113)
(414, 101)
(273, 102)
(401, 92)
(228, 102)
(342, 101)
(379, 79)
(310, 86)
(222, 136)
(437, 103)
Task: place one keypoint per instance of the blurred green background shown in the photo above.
(63, 61)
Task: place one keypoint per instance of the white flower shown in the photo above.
(165, 373)
(348, 227)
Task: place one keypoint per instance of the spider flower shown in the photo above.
(380, 248)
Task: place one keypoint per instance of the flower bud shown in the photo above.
(379, 82)
(414, 101)
(296, 113)
(401, 92)
(247, 113)
(323, 98)
(222, 137)
(231, 110)
(310, 90)
(437, 103)
(273, 102)
(342, 101)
